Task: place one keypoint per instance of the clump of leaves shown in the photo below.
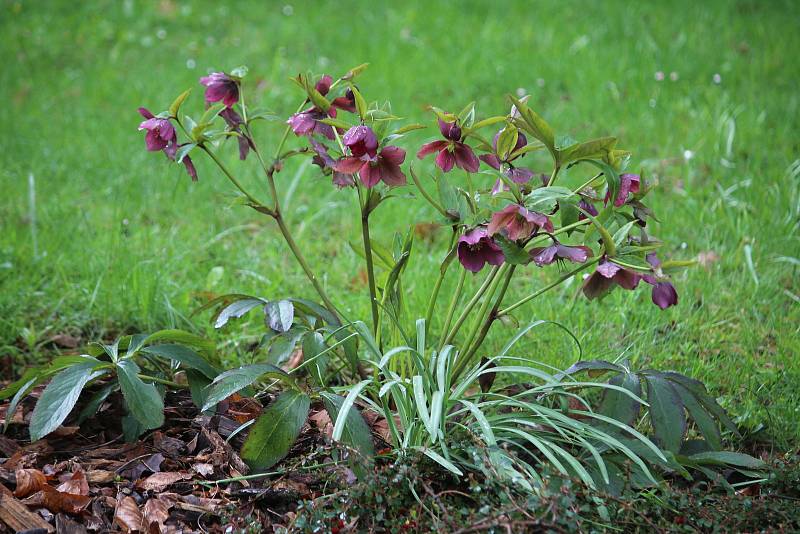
(141, 366)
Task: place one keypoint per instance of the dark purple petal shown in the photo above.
(187, 162)
(652, 259)
(153, 140)
(341, 180)
(502, 218)
(664, 295)
(144, 112)
(349, 165)
(577, 254)
(389, 160)
(323, 159)
(491, 160)
(543, 255)
(476, 248)
(465, 158)
(361, 141)
(519, 175)
(445, 160)
(393, 154)
(597, 285)
(627, 279)
(450, 130)
(608, 269)
(628, 183)
(430, 148)
(473, 236)
(324, 84)
(220, 87)
(370, 174)
(302, 123)
(588, 208)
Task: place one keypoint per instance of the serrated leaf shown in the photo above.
(279, 315)
(60, 396)
(142, 399)
(667, 413)
(175, 107)
(229, 382)
(275, 431)
(544, 199)
(702, 418)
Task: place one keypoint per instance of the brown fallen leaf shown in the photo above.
(127, 515)
(17, 516)
(155, 512)
(171, 447)
(76, 484)
(100, 476)
(29, 481)
(65, 431)
(65, 525)
(160, 481)
(57, 501)
(65, 341)
(292, 486)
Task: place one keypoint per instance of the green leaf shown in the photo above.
(60, 396)
(239, 72)
(143, 401)
(355, 432)
(482, 124)
(336, 123)
(176, 104)
(132, 428)
(617, 404)
(587, 149)
(703, 419)
(536, 125)
(514, 254)
(355, 71)
(544, 199)
(185, 356)
(275, 431)
(507, 141)
(204, 346)
(441, 460)
(18, 396)
(279, 315)
(236, 309)
(282, 345)
(361, 104)
(198, 387)
(183, 151)
(666, 412)
(595, 368)
(313, 346)
(467, 115)
(736, 459)
(409, 128)
(235, 380)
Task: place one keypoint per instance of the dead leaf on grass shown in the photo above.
(160, 481)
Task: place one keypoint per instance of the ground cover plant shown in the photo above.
(411, 344)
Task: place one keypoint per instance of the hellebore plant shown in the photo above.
(430, 376)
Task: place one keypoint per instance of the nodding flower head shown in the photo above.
(628, 184)
(517, 222)
(451, 152)
(542, 256)
(220, 87)
(371, 164)
(161, 135)
(476, 248)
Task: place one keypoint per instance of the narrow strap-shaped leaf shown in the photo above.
(344, 409)
(356, 433)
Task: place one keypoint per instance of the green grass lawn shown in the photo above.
(126, 242)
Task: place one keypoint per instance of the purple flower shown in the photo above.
(161, 135)
(605, 276)
(234, 122)
(453, 151)
(664, 293)
(328, 164)
(371, 164)
(307, 122)
(160, 132)
(628, 183)
(476, 249)
(517, 222)
(588, 207)
(546, 255)
(220, 87)
(346, 102)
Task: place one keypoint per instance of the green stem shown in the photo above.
(553, 176)
(169, 383)
(427, 196)
(452, 308)
(445, 265)
(231, 177)
(373, 294)
(471, 304)
(492, 317)
(487, 301)
(532, 296)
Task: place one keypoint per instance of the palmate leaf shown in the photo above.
(60, 396)
(275, 431)
(618, 405)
